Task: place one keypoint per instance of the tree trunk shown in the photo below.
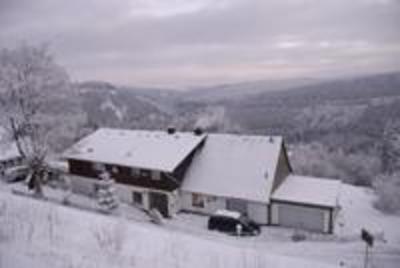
(16, 137)
(38, 188)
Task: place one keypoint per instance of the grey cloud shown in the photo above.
(207, 41)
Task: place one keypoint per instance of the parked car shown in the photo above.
(233, 223)
(16, 174)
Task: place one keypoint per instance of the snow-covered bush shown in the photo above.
(387, 188)
(315, 159)
(106, 195)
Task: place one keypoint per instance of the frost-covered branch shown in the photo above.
(29, 81)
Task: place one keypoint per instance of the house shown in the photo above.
(148, 166)
(183, 171)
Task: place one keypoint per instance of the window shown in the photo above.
(211, 199)
(145, 173)
(156, 175)
(198, 201)
(124, 170)
(137, 198)
(135, 172)
(99, 167)
(114, 169)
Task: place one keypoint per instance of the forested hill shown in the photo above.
(338, 125)
(316, 111)
(359, 105)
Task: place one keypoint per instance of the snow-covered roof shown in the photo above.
(235, 166)
(308, 190)
(156, 150)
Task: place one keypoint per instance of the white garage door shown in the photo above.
(301, 217)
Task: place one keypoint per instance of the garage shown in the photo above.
(298, 216)
(306, 203)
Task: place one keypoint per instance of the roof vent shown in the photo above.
(271, 139)
(171, 130)
(90, 150)
(198, 131)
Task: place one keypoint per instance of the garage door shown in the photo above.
(301, 217)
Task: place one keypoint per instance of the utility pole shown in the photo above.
(368, 238)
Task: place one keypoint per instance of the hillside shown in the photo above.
(301, 109)
(107, 105)
(39, 233)
(320, 107)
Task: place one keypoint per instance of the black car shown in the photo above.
(233, 224)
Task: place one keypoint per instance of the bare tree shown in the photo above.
(29, 81)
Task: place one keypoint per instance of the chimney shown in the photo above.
(171, 130)
(198, 131)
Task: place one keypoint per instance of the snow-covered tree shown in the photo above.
(390, 154)
(215, 118)
(30, 81)
(387, 188)
(106, 195)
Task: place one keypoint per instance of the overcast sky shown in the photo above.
(178, 43)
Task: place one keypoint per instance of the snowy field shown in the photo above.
(34, 233)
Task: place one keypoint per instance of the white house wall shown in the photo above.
(86, 186)
(125, 194)
(327, 218)
(82, 185)
(256, 211)
(274, 214)
(211, 203)
(179, 200)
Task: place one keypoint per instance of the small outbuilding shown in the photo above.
(305, 203)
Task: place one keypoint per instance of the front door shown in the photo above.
(159, 201)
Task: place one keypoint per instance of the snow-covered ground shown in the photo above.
(41, 234)
(34, 233)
